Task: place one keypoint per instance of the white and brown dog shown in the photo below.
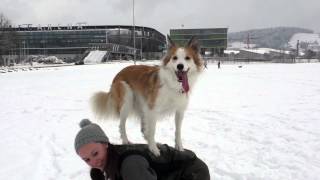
(151, 92)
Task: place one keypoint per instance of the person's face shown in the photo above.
(94, 154)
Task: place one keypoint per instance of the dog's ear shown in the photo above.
(193, 44)
(170, 42)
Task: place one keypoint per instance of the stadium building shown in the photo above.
(73, 43)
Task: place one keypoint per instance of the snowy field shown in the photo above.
(258, 122)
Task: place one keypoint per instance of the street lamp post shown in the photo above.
(134, 34)
(141, 47)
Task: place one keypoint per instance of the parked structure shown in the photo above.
(212, 41)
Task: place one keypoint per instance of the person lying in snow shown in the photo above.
(134, 161)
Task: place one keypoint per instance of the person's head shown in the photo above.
(91, 144)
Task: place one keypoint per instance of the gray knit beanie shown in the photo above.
(90, 132)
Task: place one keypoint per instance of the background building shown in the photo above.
(212, 41)
(72, 43)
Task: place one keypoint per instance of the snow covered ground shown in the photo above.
(258, 122)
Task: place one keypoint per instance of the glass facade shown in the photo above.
(212, 40)
(78, 39)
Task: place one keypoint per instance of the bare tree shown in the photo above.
(4, 21)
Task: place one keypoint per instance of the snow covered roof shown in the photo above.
(231, 51)
(238, 45)
(264, 50)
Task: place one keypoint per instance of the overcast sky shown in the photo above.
(237, 15)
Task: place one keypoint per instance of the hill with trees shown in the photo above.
(276, 38)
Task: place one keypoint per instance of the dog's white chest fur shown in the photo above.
(171, 96)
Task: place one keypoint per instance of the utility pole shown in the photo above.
(248, 41)
(141, 47)
(249, 38)
(298, 44)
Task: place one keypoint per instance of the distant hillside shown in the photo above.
(269, 37)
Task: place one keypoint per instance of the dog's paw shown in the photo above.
(179, 147)
(154, 149)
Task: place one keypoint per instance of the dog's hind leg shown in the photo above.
(143, 127)
(178, 120)
(122, 128)
(125, 110)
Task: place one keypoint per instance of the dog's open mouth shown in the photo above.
(183, 78)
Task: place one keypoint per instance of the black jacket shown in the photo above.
(170, 165)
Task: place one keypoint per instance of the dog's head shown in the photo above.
(183, 60)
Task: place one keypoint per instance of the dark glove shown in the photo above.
(96, 174)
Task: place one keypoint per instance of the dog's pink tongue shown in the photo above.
(185, 83)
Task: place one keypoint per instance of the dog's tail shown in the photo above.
(103, 105)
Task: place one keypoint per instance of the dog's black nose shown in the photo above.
(180, 67)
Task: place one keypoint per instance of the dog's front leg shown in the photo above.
(150, 133)
(178, 119)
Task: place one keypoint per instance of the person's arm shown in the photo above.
(197, 170)
(136, 167)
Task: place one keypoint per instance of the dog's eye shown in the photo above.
(187, 58)
(175, 58)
